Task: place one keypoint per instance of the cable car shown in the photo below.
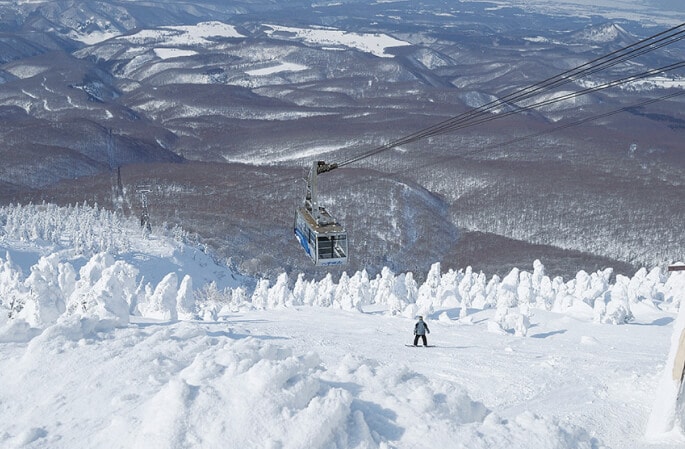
(322, 237)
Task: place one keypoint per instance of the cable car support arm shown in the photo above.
(311, 201)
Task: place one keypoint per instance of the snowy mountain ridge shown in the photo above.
(87, 87)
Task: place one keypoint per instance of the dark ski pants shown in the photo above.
(423, 337)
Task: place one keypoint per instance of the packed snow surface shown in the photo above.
(98, 345)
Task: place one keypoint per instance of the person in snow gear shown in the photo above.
(420, 330)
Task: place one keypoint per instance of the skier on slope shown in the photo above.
(420, 330)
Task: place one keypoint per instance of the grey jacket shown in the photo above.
(421, 328)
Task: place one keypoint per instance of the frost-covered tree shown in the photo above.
(525, 291)
(46, 297)
(617, 309)
(448, 292)
(643, 286)
(384, 286)
(491, 289)
(673, 291)
(477, 294)
(13, 293)
(345, 296)
(411, 288)
(428, 291)
(545, 294)
(509, 315)
(161, 304)
(325, 291)
(185, 301)
(360, 289)
(280, 294)
(464, 288)
(260, 296)
(299, 290)
(109, 297)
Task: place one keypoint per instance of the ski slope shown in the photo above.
(320, 378)
(100, 356)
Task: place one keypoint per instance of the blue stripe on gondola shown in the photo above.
(303, 241)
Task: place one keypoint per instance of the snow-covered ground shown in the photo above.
(104, 348)
(375, 43)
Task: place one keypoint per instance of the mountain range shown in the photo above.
(213, 111)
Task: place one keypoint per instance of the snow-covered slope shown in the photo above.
(93, 347)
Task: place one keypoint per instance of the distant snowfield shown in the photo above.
(644, 11)
(271, 157)
(200, 34)
(376, 44)
(94, 37)
(169, 53)
(646, 84)
(277, 68)
(25, 71)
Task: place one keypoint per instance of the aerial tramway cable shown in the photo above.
(480, 114)
(279, 182)
(325, 240)
(624, 54)
(546, 131)
(565, 97)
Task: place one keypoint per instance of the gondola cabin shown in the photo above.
(322, 237)
(325, 242)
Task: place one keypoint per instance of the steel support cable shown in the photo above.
(446, 158)
(469, 118)
(487, 118)
(568, 76)
(578, 122)
(569, 96)
(284, 181)
(639, 48)
(434, 130)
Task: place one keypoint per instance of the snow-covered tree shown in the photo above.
(325, 291)
(185, 301)
(260, 296)
(345, 297)
(299, 290)
(161, 304)
(280, 294)
(618, 304)
(46, 297)
(428, 291)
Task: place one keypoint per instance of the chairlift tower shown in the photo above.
(145, 213)
(118, 194)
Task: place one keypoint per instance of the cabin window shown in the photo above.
(332, 247)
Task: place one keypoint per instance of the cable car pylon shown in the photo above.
(322, 237)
